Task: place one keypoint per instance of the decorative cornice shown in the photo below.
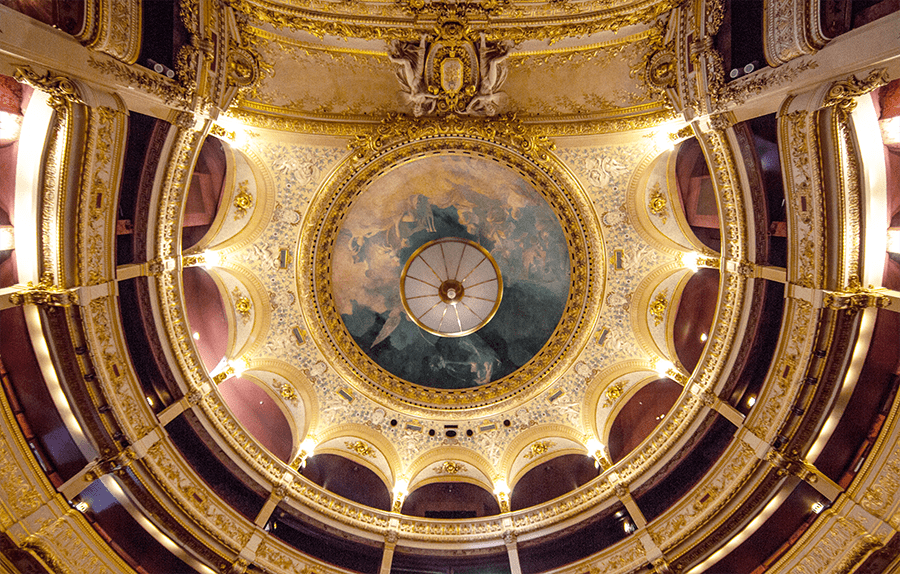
(415, 17)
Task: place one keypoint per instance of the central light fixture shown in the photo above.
(451, 287)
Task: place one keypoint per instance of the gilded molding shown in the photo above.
(101, 169)
(184, 488)
(785, 34)
(506, 130)
(717, 488)
(411, 20)
(116, 377)
(61, 89)
(256, 115)
(60, 167)
(849, 192)
(460, 454)
(730, 193)
(799, 145)
(44, 294)
(836, 543)
(118, 30)
(20, 488)
(761, 81)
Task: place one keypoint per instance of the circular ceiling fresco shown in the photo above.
(379, 217)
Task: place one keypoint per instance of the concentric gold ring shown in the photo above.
(433, 287)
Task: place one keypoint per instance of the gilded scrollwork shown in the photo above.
(243, 68)
(843, 94)
(539, 448)
(194, 498)
(742, 89)
(118, 30)
(412, 17)
(842, 546)
(657, 204)
(658, 306)
(44, 294)
(507, 130)
(62, 90)
(450, 467)
(361, 449)
(799, 145)
(18, 492)
(716, 489)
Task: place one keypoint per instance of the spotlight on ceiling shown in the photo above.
(663, 141)
(238, 366)
(211, 259)
(893, 239)
(691, 260)
(307, 449)
(596, 450)
(400, 487)
(663, 366)
(7, 238)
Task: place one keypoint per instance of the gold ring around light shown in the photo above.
(487, 318)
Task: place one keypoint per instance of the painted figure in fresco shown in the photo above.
(493, 70)
(411, 59)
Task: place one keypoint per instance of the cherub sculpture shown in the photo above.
(411, 59)
(493, 70)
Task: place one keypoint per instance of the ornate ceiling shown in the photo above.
(692, 366)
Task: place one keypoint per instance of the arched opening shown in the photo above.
(694, 317)
(206, 315)
(697, 194)
(450, 500)
(640, 416)
(204, 194)
(346, 478)
(551, 479)
(259, 414)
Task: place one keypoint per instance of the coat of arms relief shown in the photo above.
(455, 73)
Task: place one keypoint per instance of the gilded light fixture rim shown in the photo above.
(484, 321)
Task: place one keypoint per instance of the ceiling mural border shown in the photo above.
(651, 37)
(565, 197)
(320, 19)
(254, 114)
